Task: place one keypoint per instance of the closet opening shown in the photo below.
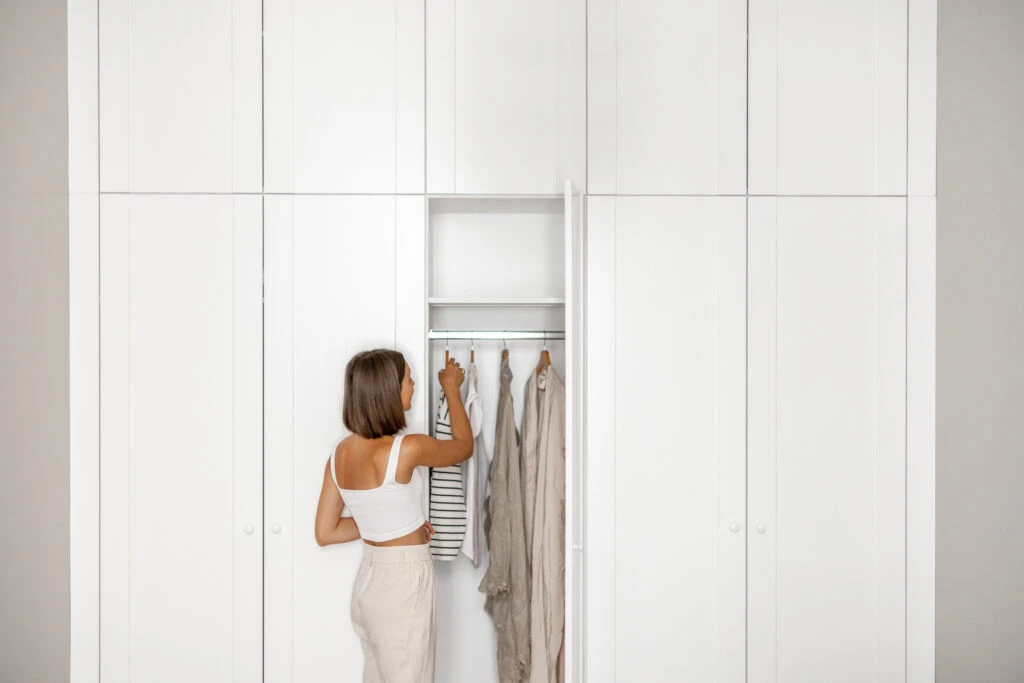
(496, 278)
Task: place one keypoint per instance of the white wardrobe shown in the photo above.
(725, 207)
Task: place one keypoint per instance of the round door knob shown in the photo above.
(734, 527)
(249, 528)
(761, 527)
(275, 529)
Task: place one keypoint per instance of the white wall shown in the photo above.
(34, 483)
(980, 320)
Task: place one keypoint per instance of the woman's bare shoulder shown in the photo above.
(347, 443)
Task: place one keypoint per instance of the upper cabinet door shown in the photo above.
(826, 449)
(667, 89)
(180, 98)
(344, 92)
(506, 96)
(828, 97)
(181, 439)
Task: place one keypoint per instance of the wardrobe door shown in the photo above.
(828, 97)
(666, 548)
(575, 283)
(344, 86)
(506, 96)
(827, 414)
(180, 439)
(667, 90)
(330, 293)
(180, 102)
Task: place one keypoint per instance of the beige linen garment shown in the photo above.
(528, 461)
(505, 583)
(547, 599)
(394, 598)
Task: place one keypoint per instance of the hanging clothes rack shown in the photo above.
(496, 334)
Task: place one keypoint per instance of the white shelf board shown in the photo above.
(489, 301)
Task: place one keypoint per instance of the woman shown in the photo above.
(378, 473)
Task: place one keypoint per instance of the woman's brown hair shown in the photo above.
(372, 406)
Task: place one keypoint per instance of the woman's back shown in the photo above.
(384, 509)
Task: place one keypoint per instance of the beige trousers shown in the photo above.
(393, 604)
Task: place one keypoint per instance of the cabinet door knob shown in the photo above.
(275, 528)
(249, 528)
(734, 527)
(761, 527)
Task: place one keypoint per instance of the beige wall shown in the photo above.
(980, 340)
(34, 489)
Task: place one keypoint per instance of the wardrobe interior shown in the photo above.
(494, 264)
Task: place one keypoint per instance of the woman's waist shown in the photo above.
(395, 554)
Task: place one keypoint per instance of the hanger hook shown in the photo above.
(545, 340)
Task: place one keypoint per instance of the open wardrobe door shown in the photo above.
(575, 281)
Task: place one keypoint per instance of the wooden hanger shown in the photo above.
(472, 352)
(504, 350)
(545, 357)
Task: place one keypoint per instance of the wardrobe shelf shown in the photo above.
(486, 301)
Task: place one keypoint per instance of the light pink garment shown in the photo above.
(547, 599)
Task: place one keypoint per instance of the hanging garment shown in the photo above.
(528, 462)
(547, 599)
(505, 583)
(447, 501)
(394, 599)
(474, 483)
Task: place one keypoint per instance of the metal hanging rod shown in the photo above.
(496, 334)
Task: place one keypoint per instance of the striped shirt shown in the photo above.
(447, 499)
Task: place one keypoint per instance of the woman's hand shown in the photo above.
(451, 376)
(429, 529)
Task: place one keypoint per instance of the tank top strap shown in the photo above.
(396, 447)
(334, 474)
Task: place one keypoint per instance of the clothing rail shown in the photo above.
(500, 335)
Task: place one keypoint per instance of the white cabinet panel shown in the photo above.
(672, 387)
(181, 96)
(828, 97)
(345, 101)
(411, 301)
(506, 96)
(575, 362)
(330, 292)
(921, 244)
(667, 91)
(922, 85)
(827, 369)
(599, 475)
(180, 439)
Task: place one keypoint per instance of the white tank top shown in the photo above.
(391, 510)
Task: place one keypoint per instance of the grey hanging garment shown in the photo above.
(505, 583)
